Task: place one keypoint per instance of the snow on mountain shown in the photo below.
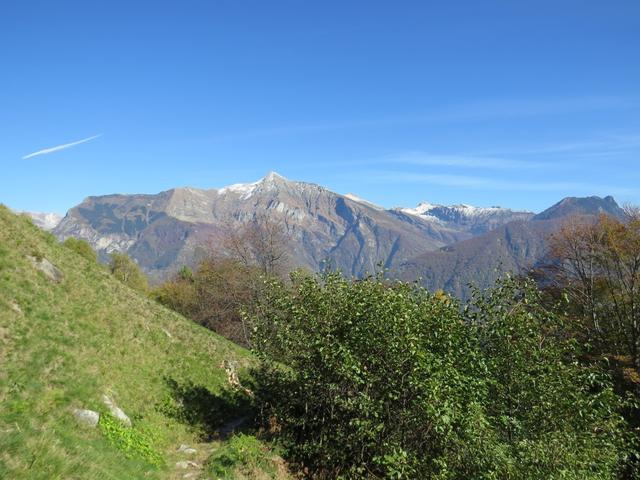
(45, 220)
(462, 210)
(474, 219)
(246, 190)
(357, 199)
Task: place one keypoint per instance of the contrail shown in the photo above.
(57, 148)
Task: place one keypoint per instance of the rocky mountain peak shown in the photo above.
(273, 177)
(582, 206)
(271, 181)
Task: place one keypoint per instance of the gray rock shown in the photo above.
(187, 464)
(116, 411)
(86, 417)
(187, 449)
(45, 266)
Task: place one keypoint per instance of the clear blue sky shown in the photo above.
(509, 103)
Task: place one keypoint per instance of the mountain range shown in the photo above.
(444, 246)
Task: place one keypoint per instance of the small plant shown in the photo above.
(134, 443)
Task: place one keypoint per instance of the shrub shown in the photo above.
(82, 248)
(377, 378)
(366, 379)
(553, 416)
(128, 272)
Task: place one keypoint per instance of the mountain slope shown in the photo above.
(164, 231)
(74, 334)
(514, 247)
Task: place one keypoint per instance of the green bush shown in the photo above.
(82, 248)
(127, 271)
(365, 379)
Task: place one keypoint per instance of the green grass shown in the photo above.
(244, 456)
(89, 335)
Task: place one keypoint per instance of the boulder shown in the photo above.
(86, 417)
(116, 411)
(187, 449)
(45, 266)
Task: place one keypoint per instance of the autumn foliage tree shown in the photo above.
(596, 266)
(230, 277)
(214, 295)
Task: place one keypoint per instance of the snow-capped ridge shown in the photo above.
(357, 199)
(271, 181)
(462, 209)
(245, 190)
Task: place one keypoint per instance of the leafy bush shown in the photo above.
(552, 416)
(82, 248)
(365, 379)
(127, 271)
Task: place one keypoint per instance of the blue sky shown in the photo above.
(490, 103)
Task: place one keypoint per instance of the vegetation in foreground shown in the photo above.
(368, 379)
(354, 379)
(67, 340)
(372, 379)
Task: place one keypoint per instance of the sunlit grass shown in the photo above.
(63, 345)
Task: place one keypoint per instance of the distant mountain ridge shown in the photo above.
(445, 246)
(513, 247)
(164, 231)
(474, 219)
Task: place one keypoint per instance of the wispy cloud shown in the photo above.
(600, 145)
(465, 161)
(468, 161)
(57, 148)
(485, 183)
(493, 109)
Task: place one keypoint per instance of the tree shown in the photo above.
(597, 266)
(553, 417)
(261, 242)
(128, 272)
(229, 279)
(370, 379)
(214, 295)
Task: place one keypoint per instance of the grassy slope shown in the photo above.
(76, 340)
